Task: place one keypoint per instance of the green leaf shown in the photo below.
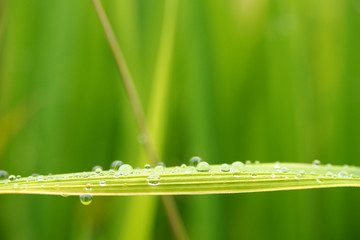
(204, 179)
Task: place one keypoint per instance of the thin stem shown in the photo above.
(169, 203)
(128, 83)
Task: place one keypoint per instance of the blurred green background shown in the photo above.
(267, 80)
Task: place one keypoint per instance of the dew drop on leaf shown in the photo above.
(126, 169)
(194, 161)
(97, 169)
(12, 178)
(316, 163)
(115, 165)
(203, 167)
(343, 174)
(86, 199)
(225, 167)
(153, 180)
(147, 167)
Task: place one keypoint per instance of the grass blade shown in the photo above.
(187, 180)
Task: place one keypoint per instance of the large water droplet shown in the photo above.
(203, 167)
(97, 169)
(316, 163)
(194, 161)
(86, 199)
(115, 165)
(225, 167)
(3, 175)
(126, 169)
(153, 180)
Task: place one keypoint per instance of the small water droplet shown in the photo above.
(257, 162)
(86, 199)
(316, 163)
(203, 167)
(147, 167)
(343, 174)
(273, 175)
(12, 178)
(320, 179)
(126, 169)
(153, 180)
(254, 174)
(102, 183)
(190, 170)
(276, 165)
(300, 174)
(237, 166)
(88, 187)
(3, 175)
(225, 167)
(284, 169)
(159, 169)
(97, 169)
(161, 164)
(248, 162)
(115, 165)
(329, 174)
(194, 161)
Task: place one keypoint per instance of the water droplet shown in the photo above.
(343, 174)
(115, 165)
(161, 164)
(273, 175)
(237, 166)
(3, 175)
(203, 167)
(34, 175)
(190, 170)
(147, 167)
(176, 170)
(276, 165)
(12, 178)
(248, 162)
(257, 162)
(88, 187)
(126, 169)
(97, 169)
(102, 183)
(183, 165)
(254, 174)
(320, 179)
(300, 174)
(284, 169)
(86, 199)
(159, 169)
(194, 161)
(85, 175)
(225, 167)
(153, 180)
(316, 163)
